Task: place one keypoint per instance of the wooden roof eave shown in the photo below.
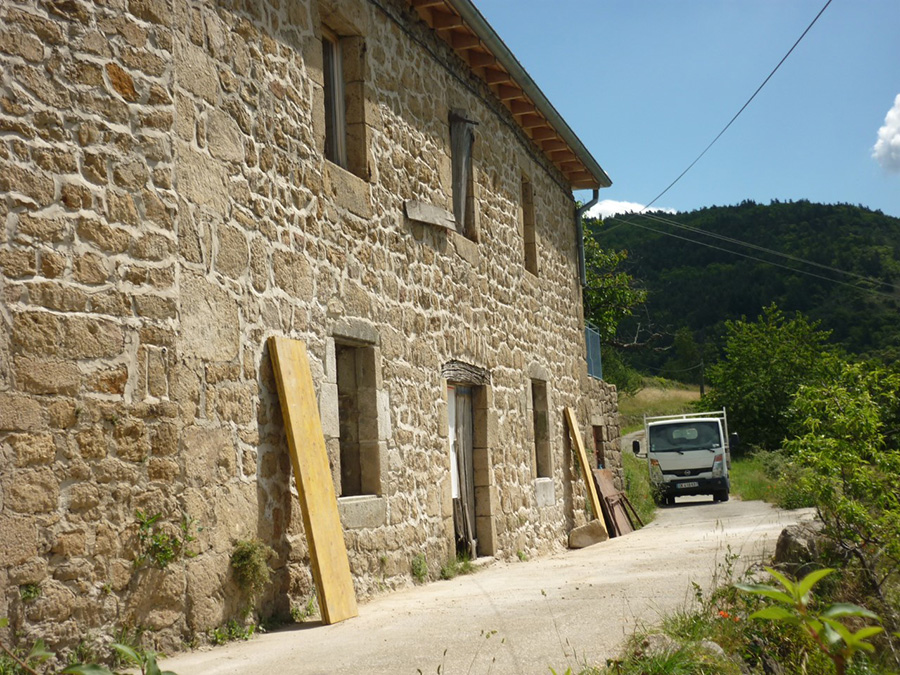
(463, 27)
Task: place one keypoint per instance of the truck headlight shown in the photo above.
(718, 466)
(656, 474)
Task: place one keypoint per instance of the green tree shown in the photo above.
(848, 443)
(611, 294)
(765, 363)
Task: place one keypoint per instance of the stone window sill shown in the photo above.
(361, 512)
(348, 190)
(544, 492)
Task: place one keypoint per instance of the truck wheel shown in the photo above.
(721, 496)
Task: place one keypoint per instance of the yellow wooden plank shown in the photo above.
(318, 502)
(575, 435)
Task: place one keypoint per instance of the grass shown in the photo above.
(750, 481)
(766, 476)
(657, 397)
(454, 567)
(637, 486)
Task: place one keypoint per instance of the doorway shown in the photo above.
(462, 468)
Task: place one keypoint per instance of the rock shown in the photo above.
(586, 535)
(798, 545)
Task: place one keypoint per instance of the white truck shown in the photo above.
(688, 455)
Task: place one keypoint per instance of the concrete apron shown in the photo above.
(566, 610)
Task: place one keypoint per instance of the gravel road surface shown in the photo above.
(564, 610)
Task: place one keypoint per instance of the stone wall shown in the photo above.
(165, 207)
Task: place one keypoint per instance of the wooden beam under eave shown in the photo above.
(426, 3)
(562, 155)
(532, 121)
(543, 133)
(522, 107)
(441, 20)
(478, 59)
(462, 40)
(573, 166)
(554, 144)
(495, 76)
(586, 184)
(507, 92)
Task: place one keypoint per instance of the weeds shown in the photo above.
(157, 545)
(38, 660)
(231, 632)
(250, 563)
(638, 488)
(309, 609)
(828, 628)
(461, 564)
(419, 568)
(29, 592)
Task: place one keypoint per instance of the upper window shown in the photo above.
(528, 229)
(335, 99)
(343, 65)
(462, 140)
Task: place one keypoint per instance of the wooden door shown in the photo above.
(462, 468)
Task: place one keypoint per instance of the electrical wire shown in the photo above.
(767, 262)
(743, 107)
(731, 240)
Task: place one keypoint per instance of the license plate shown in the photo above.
(683, 486)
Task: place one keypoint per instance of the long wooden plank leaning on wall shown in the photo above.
(578, 444)
(306, 442)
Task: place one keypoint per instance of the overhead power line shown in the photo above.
(731, 240)
(737, 242)
(769, 262)
(743, 107)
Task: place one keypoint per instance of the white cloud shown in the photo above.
(610, 207)
(887, 149)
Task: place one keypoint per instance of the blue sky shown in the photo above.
(648, 84)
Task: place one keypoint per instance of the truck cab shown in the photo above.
(688, 455)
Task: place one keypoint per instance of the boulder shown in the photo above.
(586, 535)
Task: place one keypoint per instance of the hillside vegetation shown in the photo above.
(692, 290)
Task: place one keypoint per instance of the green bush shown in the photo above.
(250, 564)
(419, 568)
(849, 446)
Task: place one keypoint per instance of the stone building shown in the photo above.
(180, 180)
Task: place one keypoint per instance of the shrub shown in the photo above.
(250, 564)
(419, 568)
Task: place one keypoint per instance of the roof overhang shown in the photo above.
(463, 27)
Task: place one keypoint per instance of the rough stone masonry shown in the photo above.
(165, 206)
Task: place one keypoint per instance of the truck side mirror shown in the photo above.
(636, 446)
(734, 441)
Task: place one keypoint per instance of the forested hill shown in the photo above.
(699, 287)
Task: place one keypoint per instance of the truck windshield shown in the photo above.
(681, 436)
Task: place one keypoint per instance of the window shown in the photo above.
(462, 140)
(335, 99)
(541, 420)
(528, 230)
(343, 66)
(360, 467)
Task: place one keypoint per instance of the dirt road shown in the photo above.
(520, 617)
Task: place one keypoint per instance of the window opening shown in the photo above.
(541, 421)
(528, 228)
(335, 100)
(462, 140)
(358, 420)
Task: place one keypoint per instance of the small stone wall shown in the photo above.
(165, 207)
